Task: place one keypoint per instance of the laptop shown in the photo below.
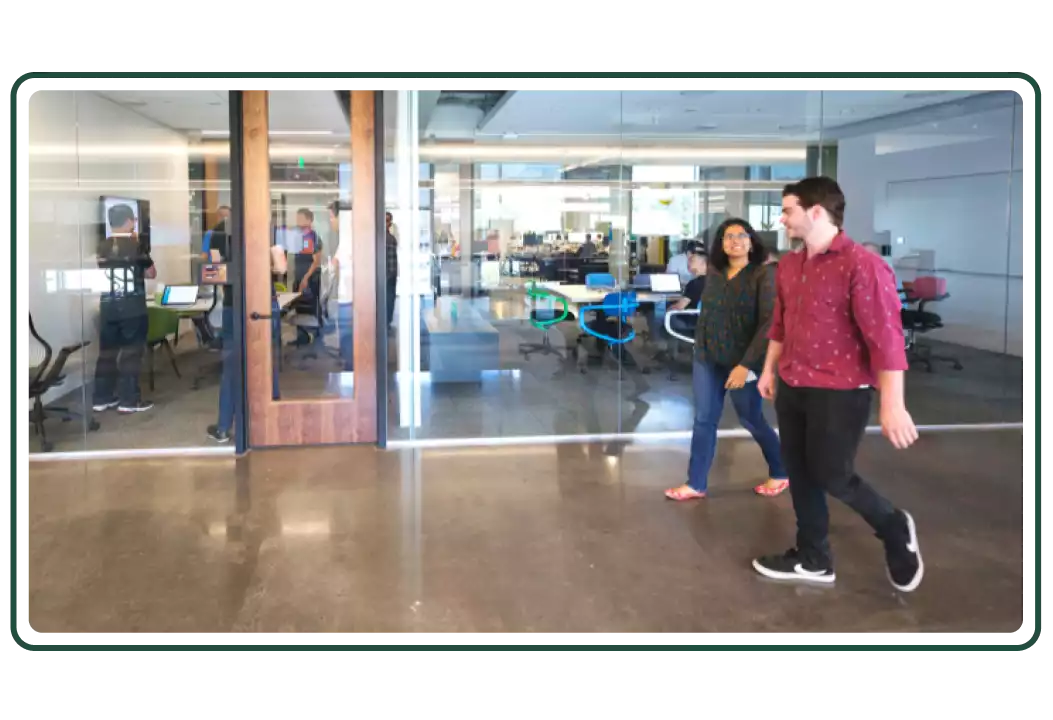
(665, 283)
(179, 295)
(642, 281)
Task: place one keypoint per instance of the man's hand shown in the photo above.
(898, 426)
(766, 384)
(737, 378)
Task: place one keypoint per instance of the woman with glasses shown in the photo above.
(730, 345)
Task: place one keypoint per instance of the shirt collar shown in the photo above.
(839, 243)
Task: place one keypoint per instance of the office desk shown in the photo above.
(460, 343)
(582, 295)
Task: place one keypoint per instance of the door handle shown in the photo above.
(257, 316)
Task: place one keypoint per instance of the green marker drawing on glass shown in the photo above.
(534, 292)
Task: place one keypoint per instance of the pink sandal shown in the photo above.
(766, 491)
(680, 495)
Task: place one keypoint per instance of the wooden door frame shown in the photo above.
(264, 422)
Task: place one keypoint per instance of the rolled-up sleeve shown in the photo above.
(777, 331)
(876, 310)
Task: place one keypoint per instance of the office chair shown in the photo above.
(544, 319)
(315, 321)
(678, 318)
(611, 328)
(45, 374)
(161, 324)
(925, 290)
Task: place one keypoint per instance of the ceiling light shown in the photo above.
(224, 133)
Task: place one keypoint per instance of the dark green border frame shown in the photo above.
(21, 644)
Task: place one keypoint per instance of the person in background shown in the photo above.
(678, 264)
(730, 343)
(835, 334)
(588, 248)
(123, 320)
(392, 247)
(698, 264)
(342, 259)
(223, 214)
(307, 272)
(221, 241)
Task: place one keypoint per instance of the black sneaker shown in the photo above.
(220, 436)
(141, 406)
(790, 566)
(903, 554)
(104, 406)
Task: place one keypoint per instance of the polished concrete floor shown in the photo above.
(560, 538)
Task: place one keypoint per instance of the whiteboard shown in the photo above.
(964, 220)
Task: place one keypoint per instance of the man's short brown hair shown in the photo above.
(822, 191)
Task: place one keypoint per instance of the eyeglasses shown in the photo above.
(736, 236)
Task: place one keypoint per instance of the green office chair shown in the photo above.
(162, 324)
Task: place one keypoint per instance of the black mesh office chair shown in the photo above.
(45, 372)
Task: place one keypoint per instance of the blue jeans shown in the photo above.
(708, 381)
(346, 321)
(228, 383)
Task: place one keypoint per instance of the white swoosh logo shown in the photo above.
(798, 569)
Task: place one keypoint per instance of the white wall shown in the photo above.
(950, 188)
(83, 146)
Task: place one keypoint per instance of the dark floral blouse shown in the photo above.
(733, 325)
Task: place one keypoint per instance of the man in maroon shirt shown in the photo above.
(835, 334)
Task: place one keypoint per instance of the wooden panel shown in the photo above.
(321, 420)
(364, 254)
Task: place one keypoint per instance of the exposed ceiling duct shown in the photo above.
(460, 114)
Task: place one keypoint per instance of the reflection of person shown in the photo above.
(730, 342)
(835, 333)
(220, 432)
(392, 246)
(123, 321)
(306, 272)
(342, 259)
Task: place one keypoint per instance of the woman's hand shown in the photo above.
(737, 378)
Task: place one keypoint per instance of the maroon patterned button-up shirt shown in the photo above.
(837, 316)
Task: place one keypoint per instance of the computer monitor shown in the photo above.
(665, 283)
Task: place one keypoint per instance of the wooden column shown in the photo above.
(364, 248)
(256, 174)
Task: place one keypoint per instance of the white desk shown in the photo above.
(582, 295)
(286, 299)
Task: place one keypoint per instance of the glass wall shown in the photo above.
(124, 188)
(519, 199)
(312, 221)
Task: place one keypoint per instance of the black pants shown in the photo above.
(820, 432)
(122, 342)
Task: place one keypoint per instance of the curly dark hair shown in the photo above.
(718, 259)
